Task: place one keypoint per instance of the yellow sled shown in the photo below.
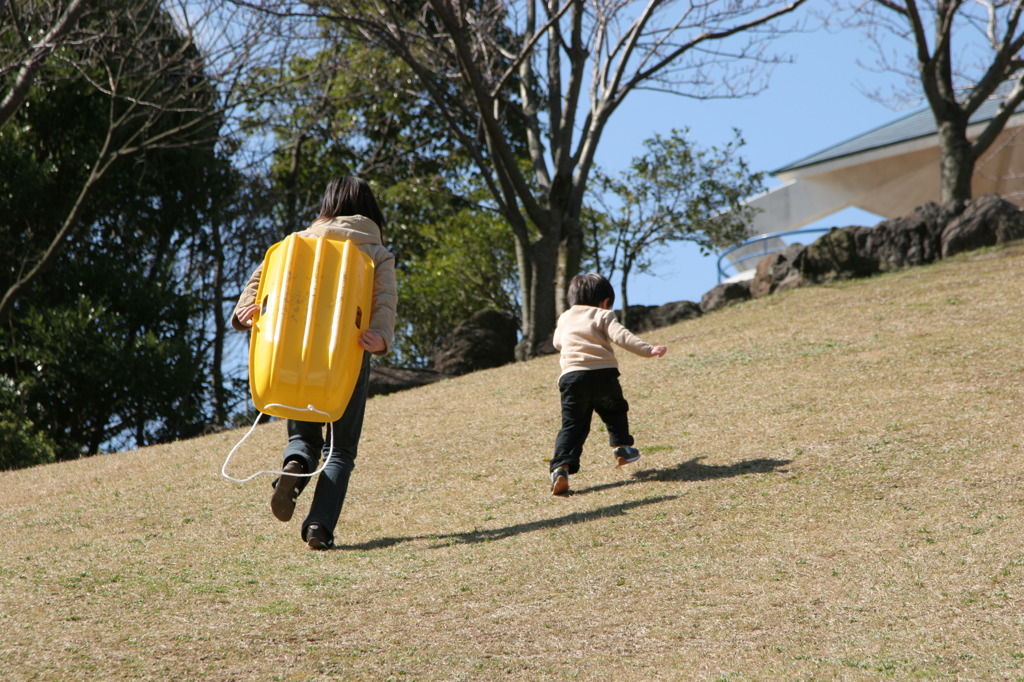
(314, 301)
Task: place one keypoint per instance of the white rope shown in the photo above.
(330, 451)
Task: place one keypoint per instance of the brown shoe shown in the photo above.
(282, 502)
(560, 481)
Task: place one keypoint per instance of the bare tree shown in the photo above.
(539, 81)
(960, 55)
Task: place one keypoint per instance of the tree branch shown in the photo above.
(16, 94)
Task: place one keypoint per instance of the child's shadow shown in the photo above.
(693, 470)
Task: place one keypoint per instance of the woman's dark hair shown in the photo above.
(590, 289)
(351, 196)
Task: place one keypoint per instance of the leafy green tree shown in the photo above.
(348, 108)
(467, 265)
(673, 192)
(22, 443)
(148, 93)
(352, 109)
(101, 341)
(111, 365)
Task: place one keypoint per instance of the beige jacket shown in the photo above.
(585, 334)
(365, 233)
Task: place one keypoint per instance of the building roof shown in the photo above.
(887, 171)
(912, 126)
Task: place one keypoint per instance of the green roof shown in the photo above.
(912, 126)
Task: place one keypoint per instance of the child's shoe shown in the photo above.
(318, 538)
(282, 502)
(625, 454)
(560, 481)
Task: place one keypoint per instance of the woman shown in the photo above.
(349, 211)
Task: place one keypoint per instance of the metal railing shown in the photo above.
(764, 240)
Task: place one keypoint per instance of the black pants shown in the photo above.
(307, 444)
(584, 393)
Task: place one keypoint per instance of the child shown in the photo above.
(590, 376)
(349, 211)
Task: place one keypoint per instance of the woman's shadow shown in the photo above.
(689, 471)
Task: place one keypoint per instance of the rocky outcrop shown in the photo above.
(929, 233)
(725, 294)
(775, 272)
(904, 242)
(644, 318)
(488, 339)
(986, 222)
(384, 380)
(835, 255)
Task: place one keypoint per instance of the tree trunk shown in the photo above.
(291, 182)
(957, 163)
(220, 412)
(626, 267)
(570, 255)
(538, 272)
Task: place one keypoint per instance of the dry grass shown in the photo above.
(831, 488)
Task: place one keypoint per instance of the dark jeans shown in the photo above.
(306, 443)
(584, 393)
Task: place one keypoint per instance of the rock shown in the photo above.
(834, 255)
(907, 241)
(987, 221)
(930, 232)
(776, 272)
(725, 294)
(384, 380)
(487, 339)
(643, 318)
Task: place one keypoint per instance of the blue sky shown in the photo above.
(810, 104)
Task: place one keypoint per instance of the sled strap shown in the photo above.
(224, 468)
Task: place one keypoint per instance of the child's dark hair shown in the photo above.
(590, 289)
(351, 196)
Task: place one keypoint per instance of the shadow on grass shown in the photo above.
(692, 470)
(470, 537)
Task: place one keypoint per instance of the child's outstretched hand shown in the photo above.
(658, 351)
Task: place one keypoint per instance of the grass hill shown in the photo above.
(832, 487)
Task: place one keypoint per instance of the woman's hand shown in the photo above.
(246, 314)
(372, 341)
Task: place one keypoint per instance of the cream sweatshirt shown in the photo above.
(584, 335)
